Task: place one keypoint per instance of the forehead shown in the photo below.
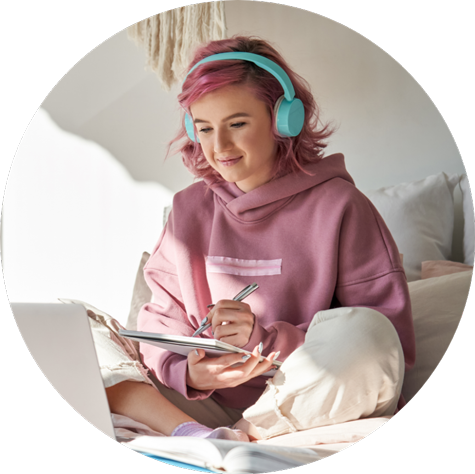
(226, 101)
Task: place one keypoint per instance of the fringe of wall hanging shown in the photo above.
(170, 38)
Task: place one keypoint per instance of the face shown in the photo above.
(235, 131)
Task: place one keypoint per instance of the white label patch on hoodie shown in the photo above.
(239, 266)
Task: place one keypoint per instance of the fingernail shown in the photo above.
(276, 355)
(196, 352)
(274, 367)
(210, 306)
(246, 357)
(205, 320)
(261, 346)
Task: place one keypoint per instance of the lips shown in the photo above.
(229, 160)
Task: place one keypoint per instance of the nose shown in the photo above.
(222, 141)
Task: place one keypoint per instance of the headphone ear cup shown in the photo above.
(289, 116)
(190, 129)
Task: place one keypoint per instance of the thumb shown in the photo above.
(195, 356)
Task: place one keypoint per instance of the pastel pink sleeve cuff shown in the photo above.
(282, 336)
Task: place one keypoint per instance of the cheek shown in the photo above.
(263, 139)
(264, 145)
(260, 142)
(207, 151)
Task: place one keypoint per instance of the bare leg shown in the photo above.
(145, 404)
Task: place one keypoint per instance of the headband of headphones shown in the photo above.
(289, 111)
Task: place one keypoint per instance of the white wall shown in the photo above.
(389, 130)
(75, 223)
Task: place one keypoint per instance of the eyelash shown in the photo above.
(234, 125)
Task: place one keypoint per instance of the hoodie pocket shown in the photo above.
(239, 266)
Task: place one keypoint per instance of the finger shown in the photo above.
(256, 356)
(224, 362)
(230, 316)
(236, 340)
(226, 330)
(264, 366)
(250, 363)
(209, 317)
(248, 369)
(195, 356)
(231, 304)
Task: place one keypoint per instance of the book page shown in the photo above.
(196, 451)
(251, 457)
(218, 454)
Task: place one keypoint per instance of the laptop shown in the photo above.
(59, 338)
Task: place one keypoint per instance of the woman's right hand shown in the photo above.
(211, 373)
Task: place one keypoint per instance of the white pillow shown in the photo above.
(437, 306)
(420, 216)
(468, 218)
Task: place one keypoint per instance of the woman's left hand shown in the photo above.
(233, 322)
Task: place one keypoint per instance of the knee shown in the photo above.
(362, 328)
(361, 360)
(356, 338)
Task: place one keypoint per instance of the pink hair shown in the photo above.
(292, 153)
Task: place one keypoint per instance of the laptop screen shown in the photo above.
(59, 338)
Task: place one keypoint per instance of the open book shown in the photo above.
(184, 344)
(219, 454)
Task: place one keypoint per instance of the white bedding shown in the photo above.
(324, 440)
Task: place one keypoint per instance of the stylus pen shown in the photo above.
(239, 297)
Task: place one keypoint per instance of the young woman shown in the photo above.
(270, 209)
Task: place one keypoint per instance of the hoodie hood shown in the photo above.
(268, 198)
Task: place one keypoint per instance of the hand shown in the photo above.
(232, 322)
(211, 373)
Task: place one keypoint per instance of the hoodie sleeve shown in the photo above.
(370, 273)
(166, 315)
(280, 336)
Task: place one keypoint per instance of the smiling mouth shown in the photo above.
(230, 161)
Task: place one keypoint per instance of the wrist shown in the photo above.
(258, 335)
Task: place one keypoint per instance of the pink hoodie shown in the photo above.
(310, 242)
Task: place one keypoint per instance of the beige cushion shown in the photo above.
(437, 306)
(437, 268)
(468, 218)
(141, 294)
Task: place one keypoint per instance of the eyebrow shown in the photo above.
(239, 114)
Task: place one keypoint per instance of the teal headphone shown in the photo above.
(288, 111)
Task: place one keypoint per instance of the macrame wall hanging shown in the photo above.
(170, 38)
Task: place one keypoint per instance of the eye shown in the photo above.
(204, 130)
(238, 124)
